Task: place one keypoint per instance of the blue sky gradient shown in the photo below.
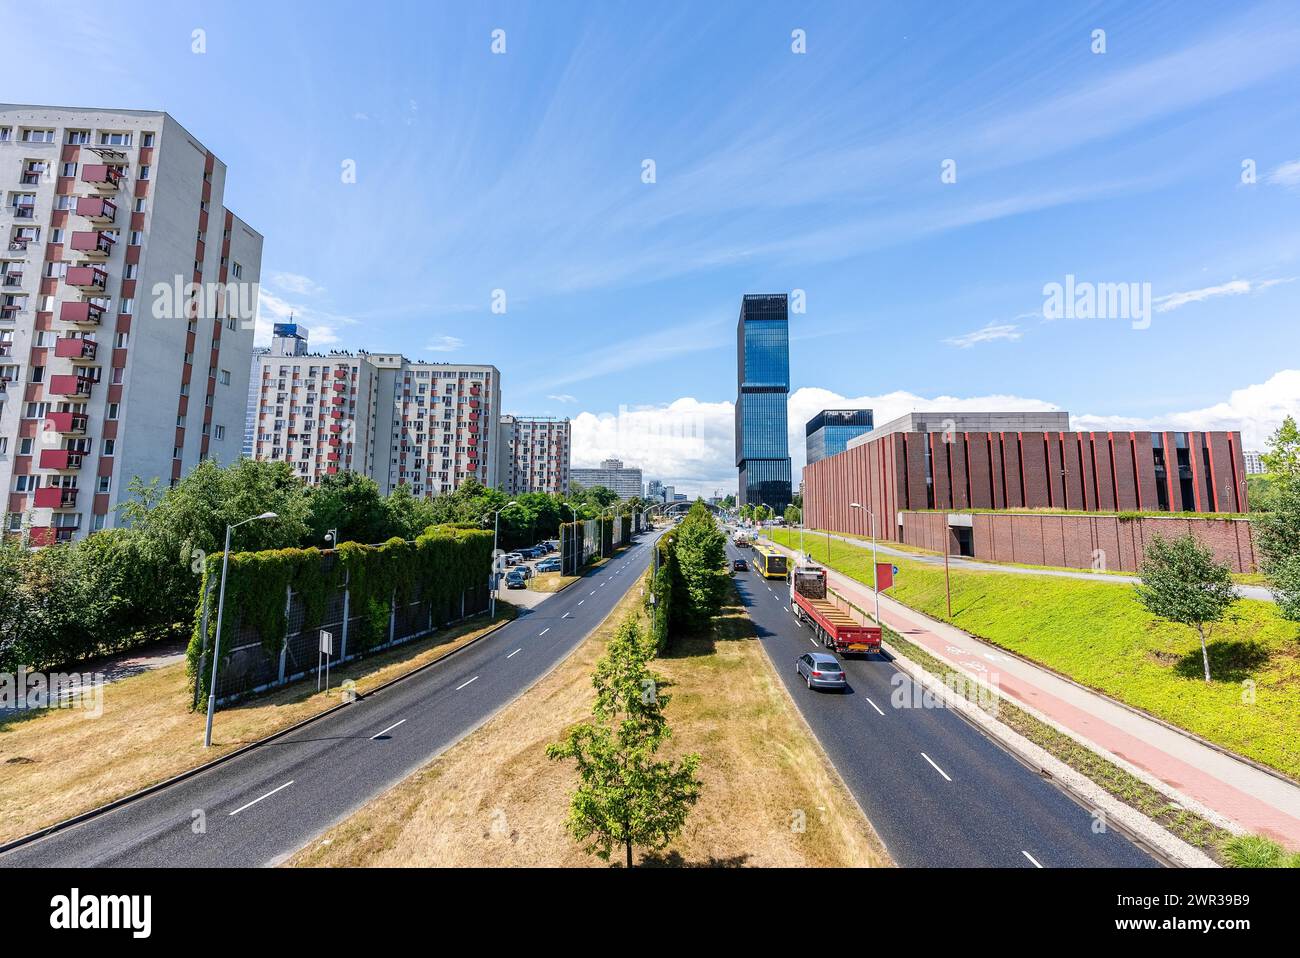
(774, 171)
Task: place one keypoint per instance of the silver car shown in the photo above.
(821, 670)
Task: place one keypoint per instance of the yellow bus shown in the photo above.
(769, 563)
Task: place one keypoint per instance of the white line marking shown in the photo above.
(812, 640)
(566, 615)
(873, 705)
(580, 601)
(543, 632)
(514, 653)
(936, 767)
(475, 679)
(1031, 858)
(387, 730)
(592, 592)
(267, 795)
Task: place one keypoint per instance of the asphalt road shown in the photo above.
(265, 804)
(938, 791)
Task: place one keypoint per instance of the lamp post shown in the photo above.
(875, 571)
(221, 607)
(603, 512)
(493, 584)
(574, 537)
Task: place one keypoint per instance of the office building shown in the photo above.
(829, 432)
(127, 297)
(534, 455)
(763, 386)
(1255, 462)
(612, 475)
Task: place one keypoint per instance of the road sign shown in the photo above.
(326, 642)
(326, 650)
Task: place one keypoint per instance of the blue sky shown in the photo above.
(774, 171)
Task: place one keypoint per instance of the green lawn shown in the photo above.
(1100, 636)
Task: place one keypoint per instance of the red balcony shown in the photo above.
(85, 312)
(97, 209)
(102, 176)
(331, 470)
(339, 400)
(67, 423)
(92, 243)
(61, 459)
(75, 348)
(55, 497)
(336, 413)
(71, 385)
(340, 373)
(40, 536)
(88, 279)
(335, 441)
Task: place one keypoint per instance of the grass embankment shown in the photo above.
(551, 581)
(61, 762)
(1099, 635)
(495, 799)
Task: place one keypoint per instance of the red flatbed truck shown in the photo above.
(832, 626)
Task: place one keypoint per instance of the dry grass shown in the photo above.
(495, 799)
(56, 764)
(551, 581)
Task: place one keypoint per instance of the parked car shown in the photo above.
(740, 565)
(513, 558)
(821, 670)
(515, 579)
(543, 548)
(549, 565)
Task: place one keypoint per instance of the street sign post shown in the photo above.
(326, 650)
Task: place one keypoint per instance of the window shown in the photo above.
(111, 411)
(56, 235)
(146, 139)
(5, 133)
(144, 171)
(140, 204)
(236, 270)
(77, 137)
(110, 446)
(4, 445)
(104, 484)
(225, 377)
(38, 136)
(127, 307)
(136, 238)
(120, 341)
(219, 432)
(97, 521)
(25, 446)
(114, 139)
(130, 270)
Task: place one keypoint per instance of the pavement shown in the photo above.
(938, 791)
(262, 805)
(114, 668)
(1258, 592)
(1225, 788)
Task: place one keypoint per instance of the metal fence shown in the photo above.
(249, 666)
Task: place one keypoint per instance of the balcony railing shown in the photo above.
(101, 176)
(98, 209)
(70, 385)
(67, 423)
(13, 279)
(61, 459)
(84, 312)
(90, 279)
(55, 497)
(92, 243)
(75, 348)
(24, 211)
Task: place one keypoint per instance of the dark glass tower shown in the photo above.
(828, 433)
(763, 385)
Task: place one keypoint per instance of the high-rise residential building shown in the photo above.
(763, 386)
(534, 455)
(127, 296)
(655, 491)
(429, 426)
(1254, 462)
(250, 414)
(612, 475)
(829, 432)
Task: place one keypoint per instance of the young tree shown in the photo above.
(1284, 580)
(626, 795)
(1283, 456)
(351, 504)
(1181, 582)
(1277, 530)
(792, 515)
(701, 549)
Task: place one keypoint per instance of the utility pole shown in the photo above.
(947, 581)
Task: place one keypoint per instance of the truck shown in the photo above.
(830, 624)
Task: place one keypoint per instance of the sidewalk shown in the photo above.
(1258, 592)
(1247, 796)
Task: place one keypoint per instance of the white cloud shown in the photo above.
(986, 334)
(444, 344)
(295, 283)
(1287, 174)
(563, 397)
(1236, 287)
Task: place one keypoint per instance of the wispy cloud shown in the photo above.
(1287, 174)
(444, 344)
(987, 334)
(295, 283)
(1236, 287)
(563, 397)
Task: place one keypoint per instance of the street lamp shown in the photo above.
(221, 606)
(603, 512)
(875, 569)
(494, 584)
(574, 537)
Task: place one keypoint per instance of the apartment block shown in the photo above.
(534, 455)
(127, 295)
(429, 426)
(612, 475)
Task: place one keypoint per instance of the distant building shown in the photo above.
(1255, 462)
(654, 491)
(762, 390)
(534, 455)
(612, 475)
(829, 432)
(250, 416)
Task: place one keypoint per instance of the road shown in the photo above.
(938, 791)
(261, 806)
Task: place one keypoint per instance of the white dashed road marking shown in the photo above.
(514, 653)
(936, 767)
(267, 795)
(386, 731)
(470, 682)
(1031, 858)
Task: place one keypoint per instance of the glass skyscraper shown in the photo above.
(829, 432)
(763, 385)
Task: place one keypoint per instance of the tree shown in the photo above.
(351, 504)
(1284, 580)
(1181, 582)
(1283, 456)
(626, 795)
(1277, 530)
(792, 515)
(701, 549)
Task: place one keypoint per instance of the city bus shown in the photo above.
(769, 563)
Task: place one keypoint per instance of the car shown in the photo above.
(513, 558)
(543, 548)
(821, 670)
(740, 565)
(549, 565)
(515, 579)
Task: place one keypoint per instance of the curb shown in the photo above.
(117, 803)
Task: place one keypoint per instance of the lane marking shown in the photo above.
(580, 601)
(472, 681)
(566, 615)
(877, 708)
(1031, 858)
(936, 767)
(387, 730)
(812, 640)
(543, 632)
(267, 795)
(592, 592)
(514, 653)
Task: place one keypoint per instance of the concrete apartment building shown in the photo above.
(112, 364)
(429, 426)
(612, 475)
(534, 455)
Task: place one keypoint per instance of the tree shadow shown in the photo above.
(1230, 661)
(673, 859)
